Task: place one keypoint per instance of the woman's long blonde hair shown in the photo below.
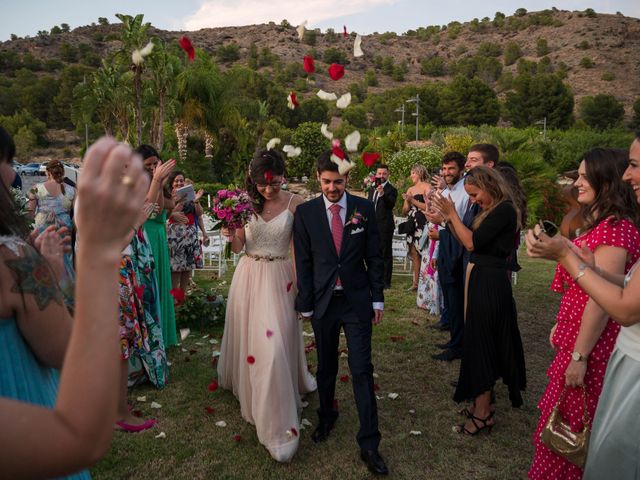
(421, 171)
(490, 181)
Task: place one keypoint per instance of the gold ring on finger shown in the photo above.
(128, 181)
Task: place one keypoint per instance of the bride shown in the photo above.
(262, 356)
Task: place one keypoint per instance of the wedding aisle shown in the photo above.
(201, 435)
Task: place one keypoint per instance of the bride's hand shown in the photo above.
(228, 232)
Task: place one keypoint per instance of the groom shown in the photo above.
(340, 282)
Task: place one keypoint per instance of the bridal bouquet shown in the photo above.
(233, 208)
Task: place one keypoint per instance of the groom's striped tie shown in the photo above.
(336, 230)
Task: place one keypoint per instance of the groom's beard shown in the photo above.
(334, 197)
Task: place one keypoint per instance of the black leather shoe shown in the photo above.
(321, 433)
(447, 356)
(443, 346)
(374, 462)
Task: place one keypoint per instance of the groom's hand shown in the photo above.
(377, 316)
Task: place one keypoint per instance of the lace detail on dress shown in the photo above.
(271, 238)
(12, 242)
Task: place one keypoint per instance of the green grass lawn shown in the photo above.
(195, 448)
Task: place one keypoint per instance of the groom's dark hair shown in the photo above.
(324, 162)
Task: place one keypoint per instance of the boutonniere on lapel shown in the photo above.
(356, 218)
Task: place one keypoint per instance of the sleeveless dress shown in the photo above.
(429, 294)
(546, 464)
(156, 231)
(420, 220)
(22, 376)
(185, 251)
(614, 442)
(56, 211)
(262, 356)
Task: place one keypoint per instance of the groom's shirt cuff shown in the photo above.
(378, 305)
(307, 314)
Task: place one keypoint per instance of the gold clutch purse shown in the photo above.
(560, 439)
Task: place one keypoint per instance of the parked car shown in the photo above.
(31, 169)
(43, 169)
(17, 167)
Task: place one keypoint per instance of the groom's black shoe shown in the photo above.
(374, 462)
(321, 433)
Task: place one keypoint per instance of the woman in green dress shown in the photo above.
(155, 228)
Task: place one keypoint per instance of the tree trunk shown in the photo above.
(160, 120)
(137, 82)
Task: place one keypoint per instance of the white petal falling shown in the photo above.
(327, 95)
(155, 405)
(138, 55)
(344, 101)
(272, 143)
(324, 128)
(300, 29)
(357, 46)
(415, 432)
(184, 333)
(352, 140)
(292, 151)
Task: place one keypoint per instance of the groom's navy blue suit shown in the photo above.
(359, 266)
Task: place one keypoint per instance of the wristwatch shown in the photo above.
(578, 357)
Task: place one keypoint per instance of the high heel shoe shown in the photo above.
(480, 426)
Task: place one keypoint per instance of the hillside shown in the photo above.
(611, 43)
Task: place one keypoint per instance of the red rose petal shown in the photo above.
(309, 64)
(187, 46)
(237, 438)
(289, 285)
(369, 159)
(177, 294)
(376, 387)
(344, 378)
(336, 404)
(338, 152)
(294, 432)
(209, 410)
(397, 338)
(213, 386)
(251, 360)
(294, 99)
(336, 71)
(268, 176)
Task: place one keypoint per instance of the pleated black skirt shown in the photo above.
(492, 346)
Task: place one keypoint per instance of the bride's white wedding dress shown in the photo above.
(262, 357)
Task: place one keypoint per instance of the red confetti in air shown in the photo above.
(139, 291)
(294, 99)
(336, 71)
(397, 338)
(269, 333)
(345, 34)
(289, 285)
(337, 151)
(344, 378)
(251, 360)
(294, 432)
(237, 438)
(213, 386)
(369, 159)
(178, 295)
(309, 64)
(187, 46)
(210, 410)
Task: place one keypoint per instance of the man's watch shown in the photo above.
(578, 357)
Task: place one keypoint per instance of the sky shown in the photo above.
(27, 17)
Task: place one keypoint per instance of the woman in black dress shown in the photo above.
(413, 207)
(492, 344)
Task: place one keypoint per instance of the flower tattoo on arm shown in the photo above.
(35, 277)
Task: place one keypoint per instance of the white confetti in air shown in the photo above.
(344, 101)
(326, 95)
(324, 129)
(352, 140)
(292, 151)
(272, 143)
(137, 56)
(300, 29)
(357, 49)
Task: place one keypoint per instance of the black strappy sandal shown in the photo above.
(480, 424)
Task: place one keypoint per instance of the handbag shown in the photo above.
(561, 440)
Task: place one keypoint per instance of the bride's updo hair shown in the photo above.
(56, 169)
(264, 164)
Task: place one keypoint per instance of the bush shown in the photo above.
(228, 53)
(308, 137)
(335, 55)
(403, 161)
(586, 62)
(590, 12)
(608, 77)
(370, 78)
(584, 45)
(433, 67)
(542, 47)
(512, 52)
(489, 49)
(521, 12)
(635, 121)
(309, 37)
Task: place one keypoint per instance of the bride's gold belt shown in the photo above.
(266, 258)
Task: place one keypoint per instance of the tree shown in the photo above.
(133, 36)
(56, 30)
(601, 111)
(536, 97)
(542, 47)
(71, 76)
(65, 27)
(489, 49)
(308, 137)
(433, 67)
(103, 21)
(635, 121)
(467, 101)
(334, 55)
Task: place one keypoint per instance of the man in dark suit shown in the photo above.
(384, 197)
(339, 273)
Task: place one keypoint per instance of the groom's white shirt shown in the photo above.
(343, 216)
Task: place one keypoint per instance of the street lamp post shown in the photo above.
(543, 122)
(416, 100)
(401, 110)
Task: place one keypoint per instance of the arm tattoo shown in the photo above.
(35, 277)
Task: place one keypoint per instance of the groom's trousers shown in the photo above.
(358, 334)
